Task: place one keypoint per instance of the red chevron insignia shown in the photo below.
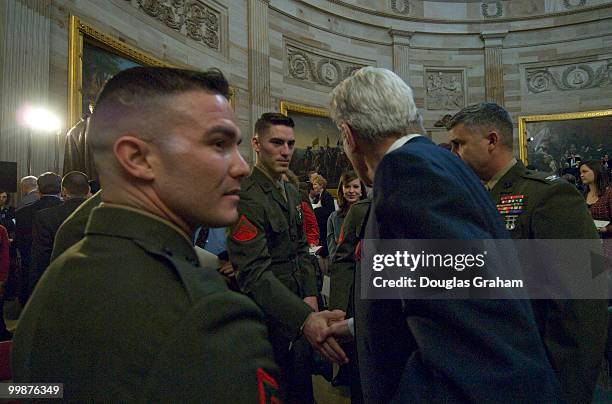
(244, 230)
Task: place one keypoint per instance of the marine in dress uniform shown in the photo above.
(538, 205)
(270, 255)
(139, 276)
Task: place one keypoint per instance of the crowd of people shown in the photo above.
(191, 276)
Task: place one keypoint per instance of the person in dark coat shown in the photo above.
(430, 350)
(75, 190)
(49, 187)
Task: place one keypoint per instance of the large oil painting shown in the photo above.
(93, 57)
(558, 143)
(318, 145)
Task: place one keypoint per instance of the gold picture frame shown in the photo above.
(81, 33)
(554, 142)
(317, 145)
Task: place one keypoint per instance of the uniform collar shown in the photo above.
(126, 222)
(513, 175)
(263, 178)
(493, 181)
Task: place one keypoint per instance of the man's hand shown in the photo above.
(226, 268)
(315, 330)
(340, 331)
(312, 302)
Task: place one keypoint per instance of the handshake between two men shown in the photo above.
(324, 330)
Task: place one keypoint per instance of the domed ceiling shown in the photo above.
(464, 10)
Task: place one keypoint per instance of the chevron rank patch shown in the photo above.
(244, 230)
(268, 388)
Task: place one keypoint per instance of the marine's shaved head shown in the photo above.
(138, 102)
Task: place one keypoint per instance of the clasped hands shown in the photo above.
(324, 329)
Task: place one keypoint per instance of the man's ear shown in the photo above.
(348, 136)
(494, 140)
(255, 143)
(133, 155)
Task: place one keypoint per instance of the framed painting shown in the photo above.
(317, 146)
(559, 142)
(94, 57)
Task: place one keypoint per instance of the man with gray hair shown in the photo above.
(29, 191)
(573, 331)
(425, 350)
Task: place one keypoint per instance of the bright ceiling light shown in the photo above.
(41, 119)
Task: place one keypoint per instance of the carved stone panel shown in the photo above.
(193, 18)
(569, 4)
(400, 7)
(313, 65)
(444, 89)
(576, 76)
(492, 9)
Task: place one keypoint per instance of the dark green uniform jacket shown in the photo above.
(269, 252)
(343, 267)
(128, 315)
(73, 228)
(573, 331)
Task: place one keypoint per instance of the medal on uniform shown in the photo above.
(299, 212)
(510, 207)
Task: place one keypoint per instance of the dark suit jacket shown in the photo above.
(23, 231)
(44, 228)
(433, 351)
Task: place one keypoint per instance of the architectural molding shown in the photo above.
(569, 77)
(308, 64)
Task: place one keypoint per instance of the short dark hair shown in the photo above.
(130, 90)
(76, 183)
(270, 119)
(8, 195)
(486, 115)
(142, 81)
(49, 184)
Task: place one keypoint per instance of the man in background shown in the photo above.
(29, 191)
(49, 187)
(573, 331)
(75, 190)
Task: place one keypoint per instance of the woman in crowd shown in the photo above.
(350, 190)
(598, 195)
(323, 206)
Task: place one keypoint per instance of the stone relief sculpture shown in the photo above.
(306, 65)
(569, 77)
(492, 9)
(192, 18)
(400, 6)
(444, 90)
(573, 3)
